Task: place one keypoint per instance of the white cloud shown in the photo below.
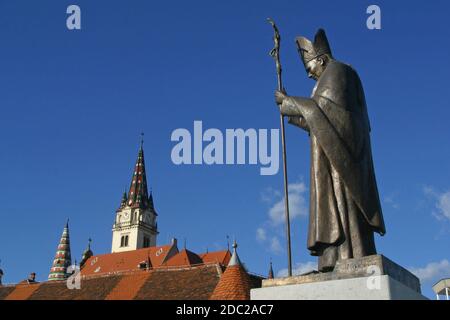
(297, 204)
(261, 234)
(442, 203)
(390, 200)
(275, 246)
(269, 195)
(433, 272)
(299, 268)
(428, 190)
(268, 234)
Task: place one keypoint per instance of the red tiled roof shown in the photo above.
(193, 283)
(130, 260)
(173, 275)
(22, 291)
(222, 257)
(5, 291)
(128, 286)
(184, 258)
(165, 283)
(55, 290)
(234, 284)
(91, 289)
(190, 283)
(125, 261)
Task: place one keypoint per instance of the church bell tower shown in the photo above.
(135, 225)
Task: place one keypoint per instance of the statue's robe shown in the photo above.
(345, 209)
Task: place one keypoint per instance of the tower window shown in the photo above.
(146, 242)
(124, 241)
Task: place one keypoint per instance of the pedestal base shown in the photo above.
(347, 289)
(368, 278)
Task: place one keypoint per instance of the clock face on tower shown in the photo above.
(126, 215)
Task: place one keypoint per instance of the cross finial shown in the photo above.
(142, 140)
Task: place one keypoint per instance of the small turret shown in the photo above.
(123, 202)
(150, 201)
(234, 283)
(86, 254)
(270, 276)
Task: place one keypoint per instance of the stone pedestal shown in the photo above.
(368, 278)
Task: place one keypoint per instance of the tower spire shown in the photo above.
(62, 259)
(135, 224)
(138, 192)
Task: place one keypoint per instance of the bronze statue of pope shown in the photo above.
(345, 209)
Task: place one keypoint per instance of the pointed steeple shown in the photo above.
(138, 193)
(234, 261)
(150, 201)
(62, 259)
(123, 202)
(270, 276)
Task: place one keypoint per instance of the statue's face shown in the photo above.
(315, 67)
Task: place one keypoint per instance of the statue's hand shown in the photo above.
(280, 96)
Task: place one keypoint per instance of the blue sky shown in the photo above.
(74, 103)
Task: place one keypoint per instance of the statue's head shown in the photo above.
(315, 56)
